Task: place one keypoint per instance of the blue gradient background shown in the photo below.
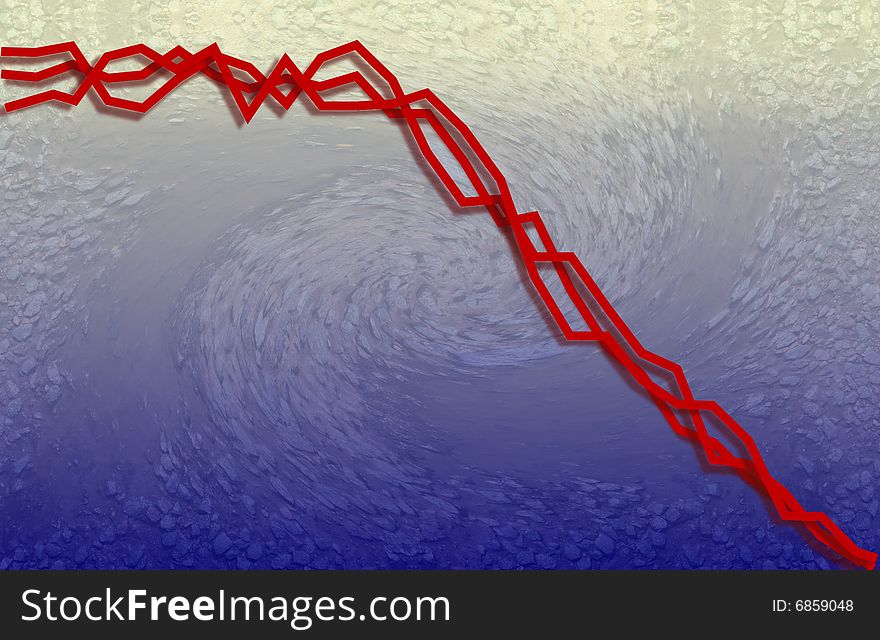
(279, 346)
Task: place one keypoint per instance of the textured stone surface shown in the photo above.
(187, 379)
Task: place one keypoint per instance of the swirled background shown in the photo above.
(280, 345)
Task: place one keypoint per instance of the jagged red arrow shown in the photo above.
(286, 82)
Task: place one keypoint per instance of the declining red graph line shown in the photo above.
(286, 82)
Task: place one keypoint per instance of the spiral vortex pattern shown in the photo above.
(306, 365)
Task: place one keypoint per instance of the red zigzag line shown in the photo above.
(617, 339)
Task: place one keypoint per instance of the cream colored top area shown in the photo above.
(811, 66)
(780, 53)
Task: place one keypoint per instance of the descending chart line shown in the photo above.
(686, 415)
